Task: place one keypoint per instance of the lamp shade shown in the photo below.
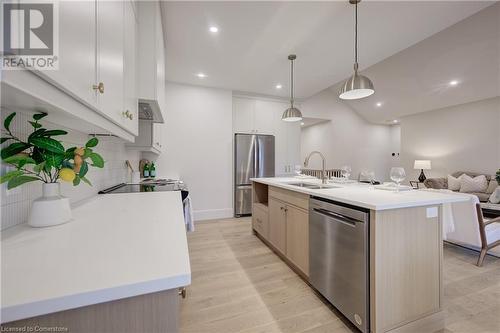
(422, 164)
(292, 114)
(356, 87)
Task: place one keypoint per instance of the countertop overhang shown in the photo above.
(116, 246)
(362, 196)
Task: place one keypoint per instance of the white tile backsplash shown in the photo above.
(15, 204)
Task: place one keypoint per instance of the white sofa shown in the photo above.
(466, 227)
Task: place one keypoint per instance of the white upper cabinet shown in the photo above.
(258, 116)
(94, 88)
(265, 112)
(151, 46)
(254, 116)
(150, 138)
(77, 51)
(110, 50)
(130, 104)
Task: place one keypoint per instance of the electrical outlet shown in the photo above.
(432, 212)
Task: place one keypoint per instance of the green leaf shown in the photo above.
(35, 124)
(16, 181)
(84, 168)
(4, 139)
(87, 152)
(8, 120)
(67, 164)
(13, 149)
(54, 133)
(48, 144)
(97, 160)
(39, 116)
(92, 143)
(70, 152)
(54, 160)
(37, 133)
(16, 159)
(10, 175)
(76, 181)
(86, 181)
(37, 155)
(37, 168)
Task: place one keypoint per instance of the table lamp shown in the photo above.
(422, 165)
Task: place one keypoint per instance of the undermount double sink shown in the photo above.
(314, 186)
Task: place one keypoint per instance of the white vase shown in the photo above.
(51, 208)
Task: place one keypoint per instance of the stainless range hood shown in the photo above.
(150, 110)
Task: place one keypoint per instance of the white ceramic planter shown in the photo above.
(51, 208)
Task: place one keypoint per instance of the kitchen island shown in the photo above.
(401, 245)
(116, 267)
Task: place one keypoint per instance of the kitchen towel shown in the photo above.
(188, 213)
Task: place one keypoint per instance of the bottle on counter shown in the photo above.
(152, 170)
(145, 172)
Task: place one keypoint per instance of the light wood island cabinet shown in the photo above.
(285, 225)
(405, 255)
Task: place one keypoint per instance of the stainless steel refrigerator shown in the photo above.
(253, 158)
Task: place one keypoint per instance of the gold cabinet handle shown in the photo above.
(182, 292)
(99, 87)
(128, 114)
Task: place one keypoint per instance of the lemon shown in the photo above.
(67, 174)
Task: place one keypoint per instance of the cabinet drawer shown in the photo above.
(260, 221)
(294, 198)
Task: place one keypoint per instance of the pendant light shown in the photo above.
(292, 113)
(357, 86)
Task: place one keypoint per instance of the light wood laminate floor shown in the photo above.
(239, 285)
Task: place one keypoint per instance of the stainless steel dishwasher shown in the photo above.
(338, 257)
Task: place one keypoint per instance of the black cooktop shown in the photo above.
(151, 187)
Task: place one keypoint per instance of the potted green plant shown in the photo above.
(42, 158)
(497, 176)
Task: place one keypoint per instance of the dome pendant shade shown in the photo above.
(292, 113)
(356, 87)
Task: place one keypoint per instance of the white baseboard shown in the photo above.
(211, 214)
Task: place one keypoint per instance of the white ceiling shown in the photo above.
(418, 78)
(249, 53)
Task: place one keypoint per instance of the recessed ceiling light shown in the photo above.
(453, 82)
(201, 75)
(379, 104)
(302, 124)
(395, 121)
(279, 86)
(213, 29)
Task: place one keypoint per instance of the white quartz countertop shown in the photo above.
(361, 195)
(117, 246)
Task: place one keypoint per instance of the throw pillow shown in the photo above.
(495, 196)
(477, 184)
(454, 183)
(492, 186)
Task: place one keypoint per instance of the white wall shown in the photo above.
(465, 137)
(347, 139)
(197, 138)
(16, 203)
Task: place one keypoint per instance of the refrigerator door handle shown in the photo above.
(256, 158)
